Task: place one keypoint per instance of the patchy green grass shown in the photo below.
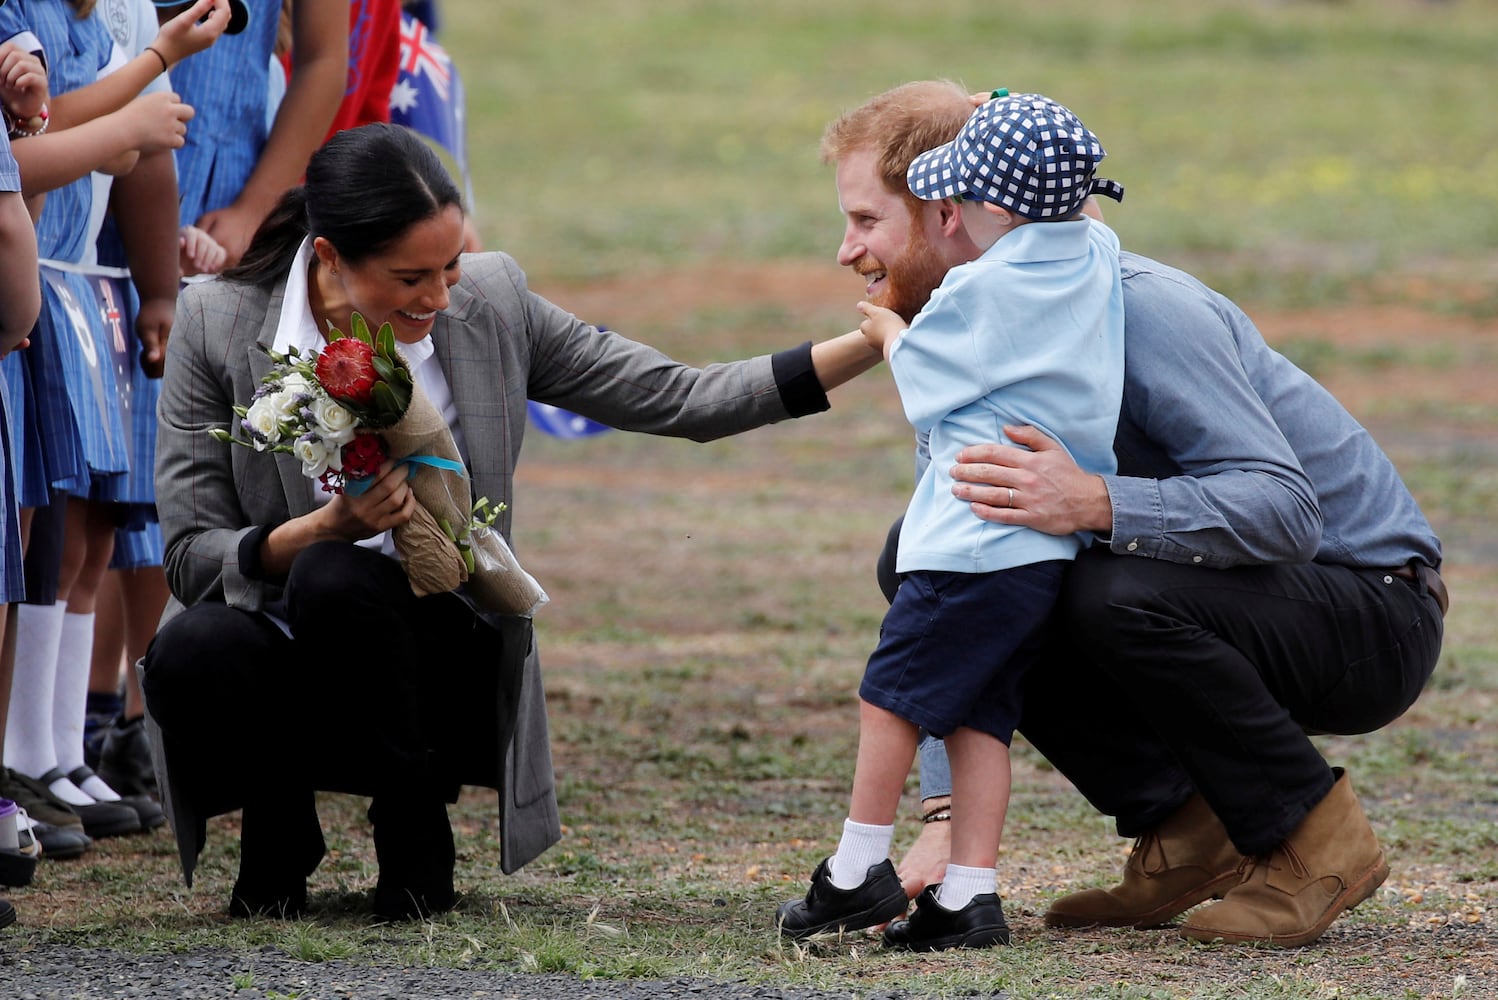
(1292, 152)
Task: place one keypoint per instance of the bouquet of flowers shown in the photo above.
(345, 410)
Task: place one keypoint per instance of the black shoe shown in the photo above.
(60, 843)
(933, 927)
(100, 819)
(146, 810)
(826, 908)
(416, 855)
(95, 725)
(125, 759)
(7, 913)
(16, 869)
(38, 801)
(280, 844)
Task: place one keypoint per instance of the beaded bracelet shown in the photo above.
(17, 129)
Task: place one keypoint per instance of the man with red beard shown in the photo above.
(1261, 574)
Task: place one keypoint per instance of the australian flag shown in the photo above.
(428, 94)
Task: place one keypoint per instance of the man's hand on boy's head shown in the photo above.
(880, 327)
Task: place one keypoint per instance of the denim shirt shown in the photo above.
(1230, 455)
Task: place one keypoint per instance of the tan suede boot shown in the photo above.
(1185, 860)
(1330, 863)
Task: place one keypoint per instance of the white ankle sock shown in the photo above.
(70, 701)
(863, 846)
(70, 689)
(961, 884)
(28, 731)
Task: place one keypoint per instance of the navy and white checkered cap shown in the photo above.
(1025, 153)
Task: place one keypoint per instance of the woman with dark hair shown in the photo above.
(289, 613)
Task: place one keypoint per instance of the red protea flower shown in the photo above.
(346, 370)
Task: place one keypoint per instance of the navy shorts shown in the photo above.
(955, 647)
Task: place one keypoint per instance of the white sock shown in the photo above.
(70, 701)
(961, 884)
(28, 731)
(863, 846)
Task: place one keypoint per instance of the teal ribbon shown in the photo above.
(355, 487)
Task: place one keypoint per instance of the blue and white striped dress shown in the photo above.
(12, 577)
(72, 392)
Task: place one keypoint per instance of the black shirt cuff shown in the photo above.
(249, 552)
(800, 391)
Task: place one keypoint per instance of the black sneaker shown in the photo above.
(125, 759)
(826, 908)
(7, 913)
(933, 927)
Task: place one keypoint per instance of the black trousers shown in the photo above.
(1165, 679)
(369, 695)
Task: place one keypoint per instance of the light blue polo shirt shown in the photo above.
(1029, 333)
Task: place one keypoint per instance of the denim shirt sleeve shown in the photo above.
(1206, 475)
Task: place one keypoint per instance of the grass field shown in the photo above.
(653, 165)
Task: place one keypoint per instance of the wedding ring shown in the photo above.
(1011, 496)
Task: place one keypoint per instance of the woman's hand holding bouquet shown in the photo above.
(352, 408)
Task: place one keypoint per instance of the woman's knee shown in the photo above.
(194, 658)
(328, 579)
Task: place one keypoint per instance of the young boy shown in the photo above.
(1029, 333)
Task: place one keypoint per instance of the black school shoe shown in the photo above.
(826, 908)
(933, 927)
(100, 819)
(146, 810)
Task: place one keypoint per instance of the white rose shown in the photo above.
(263, 420)
(296, 383)
(287, 405)
(312, 453)
(335, 422)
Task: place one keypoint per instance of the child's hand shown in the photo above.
(881, 327)
(199, 253)
(183, 36)
(157, 121)
(23, 82)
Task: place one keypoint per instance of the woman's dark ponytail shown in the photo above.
(275, 243)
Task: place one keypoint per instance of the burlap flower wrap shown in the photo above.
(431, 545)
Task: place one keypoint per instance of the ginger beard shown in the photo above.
(910, 280)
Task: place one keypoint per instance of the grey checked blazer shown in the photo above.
(498, 345)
